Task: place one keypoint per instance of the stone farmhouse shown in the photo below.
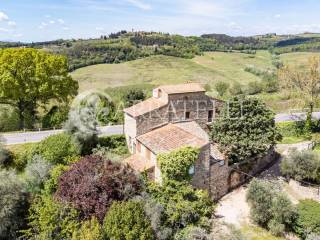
(177, 116)
(174, 117)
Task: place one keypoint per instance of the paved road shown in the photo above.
(18, 138)
(28, 137)
(282, 117)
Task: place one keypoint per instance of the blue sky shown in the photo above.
(39, 20)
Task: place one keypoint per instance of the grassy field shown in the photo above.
(209, 68)
(299, 59)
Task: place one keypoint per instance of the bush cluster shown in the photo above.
(302, 165)
(175, 165)
(127, 220)
(92, 184)
(308, 221)
(270, 208)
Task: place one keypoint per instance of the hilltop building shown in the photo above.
(177, 116)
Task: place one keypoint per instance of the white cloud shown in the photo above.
(99, 28)
(140, 4)
(202, 8)
(4, 30)
(12, 23)
(65, 28)
(48, 16)
(3, 17)
(61, 21)
(52, 22)
(277, 16)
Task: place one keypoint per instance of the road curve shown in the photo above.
(29, 137)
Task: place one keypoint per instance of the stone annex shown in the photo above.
(177, 116)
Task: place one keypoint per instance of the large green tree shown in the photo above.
(245, 130)
(29, 77)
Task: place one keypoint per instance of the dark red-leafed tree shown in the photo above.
(93, 183)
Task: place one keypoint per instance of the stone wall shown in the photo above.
(200, 178)
(225, 178)
(151, 120)
(130, 130)
(197, 104)
(218, 181)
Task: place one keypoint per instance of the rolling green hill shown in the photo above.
(209, 68)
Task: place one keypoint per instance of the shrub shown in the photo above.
(21, 155)
(221, 87)
(106, 153)
(36, 173)
(270, 84)
(116, 144)
(155, 212)
(83, 121)
(308, 221)
(56, 148)
(176, 164)
(13, 205)
(92, 184)
(134, 96)
(6, 156)
(191, 233)
(56, 117)
(51, 185)
(182, 204)
(291, 128)
(245, 130)
(269, 207)
(49, 219)
(128, 221)
(236, 89)
(254, 87)
(89, 230)
(303, 165)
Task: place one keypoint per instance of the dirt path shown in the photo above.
(234, 209)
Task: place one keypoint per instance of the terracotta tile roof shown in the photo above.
(144, 107)
(182, 88)
(168, 138)
(193, 128)
(139, 163)
(216, 153)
